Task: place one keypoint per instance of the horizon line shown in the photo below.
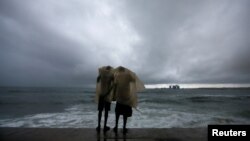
(199, 85)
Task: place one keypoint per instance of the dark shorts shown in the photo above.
(103, 104)
(124, 110)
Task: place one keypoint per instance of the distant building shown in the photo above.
(174, 87)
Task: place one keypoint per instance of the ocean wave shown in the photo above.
(79, 116)
(203, 99)
(45, 90)
(243, 113)
(160, 101)
(216, 98)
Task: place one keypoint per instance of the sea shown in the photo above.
(58, 107)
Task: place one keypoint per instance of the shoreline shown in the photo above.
(81, 134)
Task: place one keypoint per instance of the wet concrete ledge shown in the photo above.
(90, 134)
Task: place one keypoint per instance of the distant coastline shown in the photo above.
(181, 89)
(199, 86)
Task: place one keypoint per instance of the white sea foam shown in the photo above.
(77, 117)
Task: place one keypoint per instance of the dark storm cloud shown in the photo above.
(194, 41)
(51, 43)
(34, 53)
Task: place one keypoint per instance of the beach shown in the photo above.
(81, 134)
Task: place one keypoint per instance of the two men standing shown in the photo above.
(118, 85)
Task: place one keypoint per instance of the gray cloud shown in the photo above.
(50, 43)
(197, 41)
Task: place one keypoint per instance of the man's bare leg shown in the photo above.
(106, 128)
(116, 122)
(98, 128)
(125, 130)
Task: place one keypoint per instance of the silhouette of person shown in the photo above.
(122, 80)
(103, 96)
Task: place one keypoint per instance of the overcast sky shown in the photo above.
(63, 42)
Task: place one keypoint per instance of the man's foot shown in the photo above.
(115, 129)
(125, 130)
(98, 128)
(106, 128)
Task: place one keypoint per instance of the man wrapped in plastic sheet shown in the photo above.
(126, 85)
(103, 94)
